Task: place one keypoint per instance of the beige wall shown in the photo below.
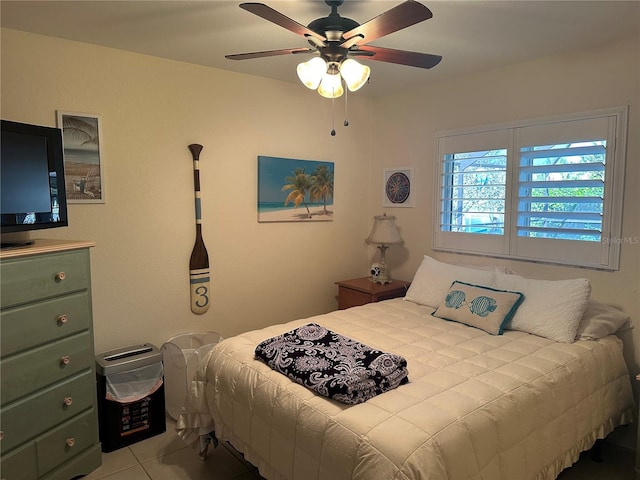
(262, 273)
(265, 273)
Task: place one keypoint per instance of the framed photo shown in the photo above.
(397, 187)
(291, 190)
(83, 163)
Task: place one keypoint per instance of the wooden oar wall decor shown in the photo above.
(199, 262)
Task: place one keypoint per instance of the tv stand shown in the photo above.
(17, 244)
(11, 240)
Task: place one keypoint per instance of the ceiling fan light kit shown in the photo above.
(318, 74)
(335, 39)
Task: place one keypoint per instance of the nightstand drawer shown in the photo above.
(26, 372)
(352, 298)
(20, 464)
(26, 418)
(360, 291)
(30, 325)
(66, 441)
(38, 277)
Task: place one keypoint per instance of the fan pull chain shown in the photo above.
(333, 117)
(346, 96)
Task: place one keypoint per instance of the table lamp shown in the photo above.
(383, 234)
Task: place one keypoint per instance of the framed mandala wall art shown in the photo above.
(397, 187)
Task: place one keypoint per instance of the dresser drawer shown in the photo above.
(26, 372)
(83, 464)
(43, 276)
(67, 440)
(20, 464)
(28, 417)
(30, 325)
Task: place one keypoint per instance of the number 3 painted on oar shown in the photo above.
(199, 293)
(199, 261)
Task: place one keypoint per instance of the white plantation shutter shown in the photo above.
(474, 184)
(543, 190)
(472, 191)
(558, 199)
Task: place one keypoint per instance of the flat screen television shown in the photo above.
(32, 186)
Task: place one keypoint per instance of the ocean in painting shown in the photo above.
(77, 155)
(264, 207)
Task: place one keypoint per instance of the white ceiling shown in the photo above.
(470, 35)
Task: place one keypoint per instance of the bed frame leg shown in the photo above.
(596, 451)
(205, 441)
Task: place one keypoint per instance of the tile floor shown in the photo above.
(167, 457)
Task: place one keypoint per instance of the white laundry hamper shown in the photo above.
(181, 356)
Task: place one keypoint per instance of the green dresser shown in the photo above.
(48, 412)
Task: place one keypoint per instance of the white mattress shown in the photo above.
(477, 406)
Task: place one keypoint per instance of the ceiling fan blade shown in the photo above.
(402, 16)
(268, 13)
(400, 57)
(269, 53)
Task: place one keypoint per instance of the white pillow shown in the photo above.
(600, 320)
(551, 309)
(433, 279)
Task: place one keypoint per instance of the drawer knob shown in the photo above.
(60, 276)
(62, 319)
(66, 360)
(70, 442)
(68, 401)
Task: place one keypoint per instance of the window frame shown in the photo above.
(602, 255)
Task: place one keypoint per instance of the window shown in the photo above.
(544, 190)
(473, 191)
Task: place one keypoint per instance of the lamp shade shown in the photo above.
(310, 73)
(331, 85)
(355, 74)
(384, 231)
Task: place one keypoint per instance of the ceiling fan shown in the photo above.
(335, 40)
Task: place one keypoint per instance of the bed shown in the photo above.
(514, 405)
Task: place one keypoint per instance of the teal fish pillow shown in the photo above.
(481, 307)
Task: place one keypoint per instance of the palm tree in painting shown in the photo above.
(298, 186)
(322, 185)
(82, 129)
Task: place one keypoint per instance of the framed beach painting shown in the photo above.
(397, 187)
(83, 163)
(291, 190)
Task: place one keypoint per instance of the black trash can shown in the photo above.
(131, 405)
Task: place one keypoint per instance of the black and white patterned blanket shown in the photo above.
(333, 365)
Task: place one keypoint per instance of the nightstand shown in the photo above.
(360, 291)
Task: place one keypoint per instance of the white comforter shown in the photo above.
(510, 407)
